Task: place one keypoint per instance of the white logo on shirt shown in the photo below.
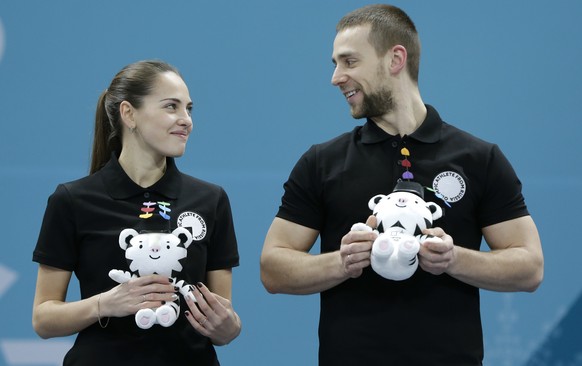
(194, 222)
(450, 185)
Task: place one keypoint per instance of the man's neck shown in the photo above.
(404, 119)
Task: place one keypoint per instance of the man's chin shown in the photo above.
(357, 114)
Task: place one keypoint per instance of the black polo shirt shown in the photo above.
(427, 319)
(80, 232)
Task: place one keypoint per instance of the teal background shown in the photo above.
(259, 74)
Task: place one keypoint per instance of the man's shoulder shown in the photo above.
(439, 128)
(454, 133)
(337, 143)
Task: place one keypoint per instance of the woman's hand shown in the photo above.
(213, 316)
(135, 294)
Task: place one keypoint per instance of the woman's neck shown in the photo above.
(145, 171)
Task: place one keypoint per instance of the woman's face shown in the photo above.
(164, 121)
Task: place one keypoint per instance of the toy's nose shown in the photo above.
(402, 200)
(155, 247)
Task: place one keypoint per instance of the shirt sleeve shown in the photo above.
(223, 250)
(301, 201)
(56, 242)
(503, 192)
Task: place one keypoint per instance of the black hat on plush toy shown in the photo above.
(411, 187)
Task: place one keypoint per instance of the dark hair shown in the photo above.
(390, 26)
(132, 84)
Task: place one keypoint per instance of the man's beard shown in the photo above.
(374, 105)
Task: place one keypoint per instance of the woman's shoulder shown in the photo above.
(190, 182)
(77, 187)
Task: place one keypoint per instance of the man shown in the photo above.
(432, 318)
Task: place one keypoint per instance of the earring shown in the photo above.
(132, 129)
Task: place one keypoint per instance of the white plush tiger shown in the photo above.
(401, 215)
(155, 253)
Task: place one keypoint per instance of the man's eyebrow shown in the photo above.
(343, 56)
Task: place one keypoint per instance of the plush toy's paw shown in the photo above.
(394, 255)
(423, 238)
(408, 249)
(360, 226)
(166, 315)
(383, 247)
(186, 291)
(119, 276)
(145, 318)
(191, 296)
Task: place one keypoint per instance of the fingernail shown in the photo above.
(199, 284)
(176, 288)
(170, 279)
(174, 296)
(187, 313)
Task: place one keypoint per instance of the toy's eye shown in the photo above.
(168, 247)
(140, 246)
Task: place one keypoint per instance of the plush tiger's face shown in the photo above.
(404, 210)
(159, 253)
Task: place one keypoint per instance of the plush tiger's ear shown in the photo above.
(125, 236)
(435, 210)
(184, 235)
(374, 201)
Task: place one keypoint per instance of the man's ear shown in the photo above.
(126, 112)
(399, 55)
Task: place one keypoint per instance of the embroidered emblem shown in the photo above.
(194, 222)
(148, 210)
(450, 185)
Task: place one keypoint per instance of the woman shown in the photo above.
(143, 121)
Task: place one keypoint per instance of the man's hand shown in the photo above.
(356, 247)
(436, 254)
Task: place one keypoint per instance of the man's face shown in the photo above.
(360, 74)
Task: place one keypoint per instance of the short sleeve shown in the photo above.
(301, 201)
(223, 249)
(503, 193)
(56, 245)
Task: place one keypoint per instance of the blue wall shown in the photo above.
(259, 74)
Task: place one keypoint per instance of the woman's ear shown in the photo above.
(126, 112)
